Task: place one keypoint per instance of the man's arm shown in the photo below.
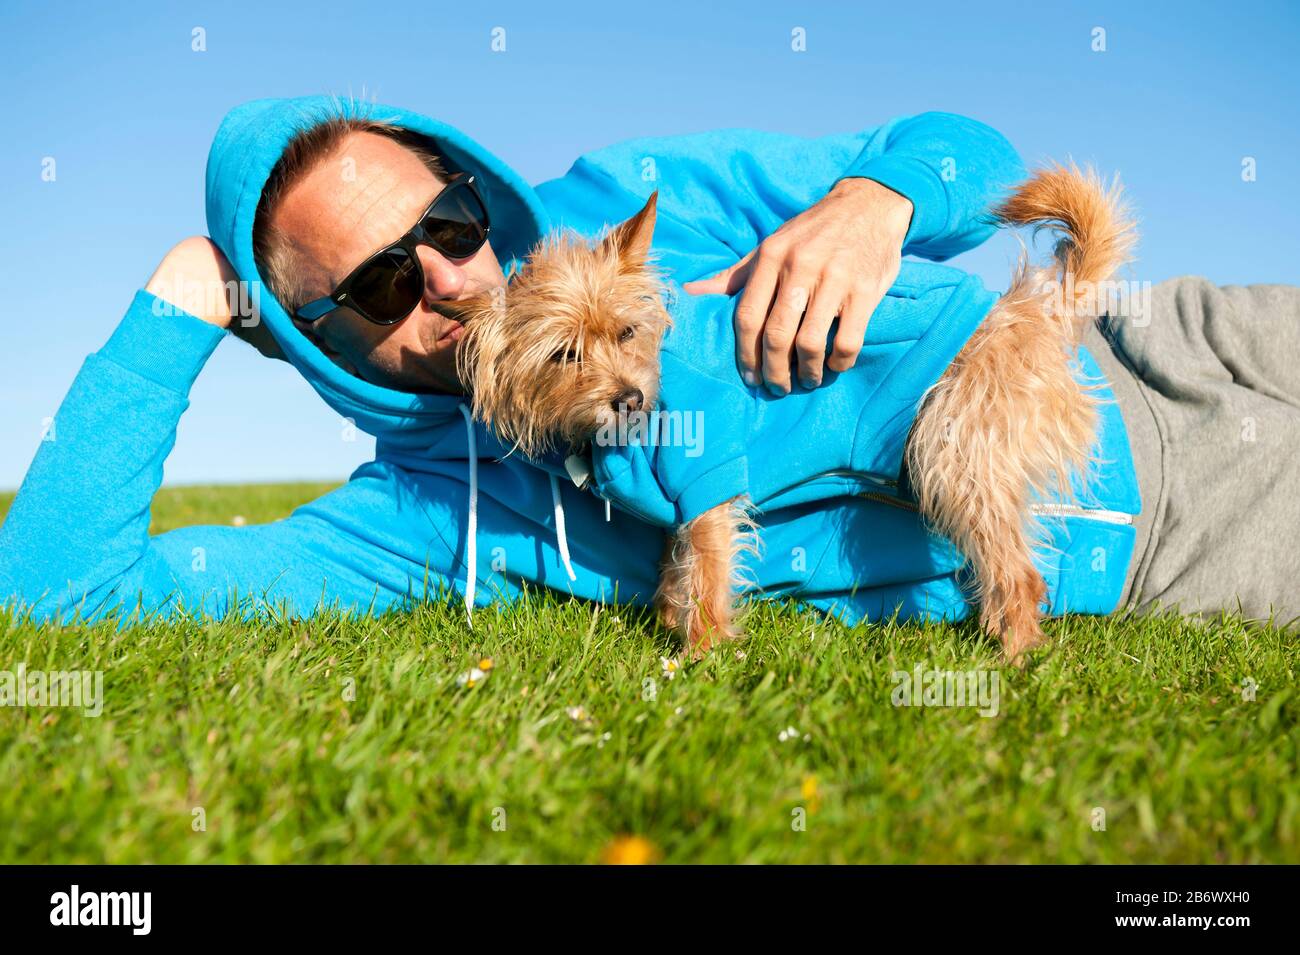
(828, 219)
(76, 539)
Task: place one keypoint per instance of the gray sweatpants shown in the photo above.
(1209, 385)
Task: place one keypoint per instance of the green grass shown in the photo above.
(256, 726)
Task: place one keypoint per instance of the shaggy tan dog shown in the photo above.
(575, 341)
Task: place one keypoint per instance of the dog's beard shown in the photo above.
(608, 419)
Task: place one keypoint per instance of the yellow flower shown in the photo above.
(485, 664)
(809, 792)
(629, 850)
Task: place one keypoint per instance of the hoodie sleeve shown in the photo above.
(76, 540)
(736, 187)
(952, 168)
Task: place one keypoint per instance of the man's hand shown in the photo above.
(838, 258)
(195, 277)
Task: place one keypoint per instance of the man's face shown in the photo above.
(349, 206)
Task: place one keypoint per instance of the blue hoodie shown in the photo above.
(439, 511)
(712, 438)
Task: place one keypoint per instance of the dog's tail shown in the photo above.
(1097, 229)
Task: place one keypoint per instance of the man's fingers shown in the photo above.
(713, 285)
(810, 342)
(854, 315)
(727, 282)
(751, 315)
(779, 332)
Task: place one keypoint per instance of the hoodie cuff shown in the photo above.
(916, 181)
(728, 480)
(161, 342)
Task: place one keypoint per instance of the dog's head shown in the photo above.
(571, 343)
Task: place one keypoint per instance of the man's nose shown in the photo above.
(443, 279)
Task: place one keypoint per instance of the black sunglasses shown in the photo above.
(389, 284)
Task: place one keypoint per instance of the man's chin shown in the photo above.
(413, 381)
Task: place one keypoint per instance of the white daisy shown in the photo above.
(473, 678)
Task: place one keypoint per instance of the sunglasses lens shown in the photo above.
(389, 287)
(457, 223)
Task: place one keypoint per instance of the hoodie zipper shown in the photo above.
(1087, 513)
(1045, 510)
(859, 475)
(582, 478)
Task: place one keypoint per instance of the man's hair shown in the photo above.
(271, 249)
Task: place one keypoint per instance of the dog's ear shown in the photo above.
(631, 239)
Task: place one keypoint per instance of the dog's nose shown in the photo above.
(631, 399)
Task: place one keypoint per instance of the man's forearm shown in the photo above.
(736, 187)
(952, 168)
(80, 521)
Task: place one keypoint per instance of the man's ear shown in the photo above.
(310, 330)
(631, 239)
(312, 335)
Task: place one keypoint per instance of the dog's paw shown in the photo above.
(1012, 615)
(1019, 637)
(702, 637)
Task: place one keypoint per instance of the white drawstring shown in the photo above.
(471, 528)
(562, 539)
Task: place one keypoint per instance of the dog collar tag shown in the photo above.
(579, 471)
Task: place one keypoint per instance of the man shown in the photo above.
(812, 229)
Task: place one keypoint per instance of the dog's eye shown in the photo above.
(626, 334)
(565, 355)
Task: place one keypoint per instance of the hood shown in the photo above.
(247, 146)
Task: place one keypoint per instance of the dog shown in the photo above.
(574, 342)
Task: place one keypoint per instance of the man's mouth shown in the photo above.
(453, 333)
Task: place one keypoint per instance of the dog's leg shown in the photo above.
(696, 584)
(1006, 419)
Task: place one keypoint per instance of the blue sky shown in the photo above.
(1181, 94)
